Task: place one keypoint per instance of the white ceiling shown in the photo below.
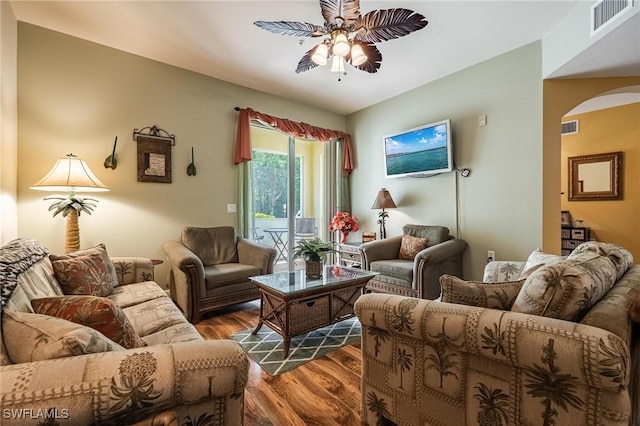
(218, 38)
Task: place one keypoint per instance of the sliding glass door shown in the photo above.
(291, 192)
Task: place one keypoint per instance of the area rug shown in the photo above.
(265, 348)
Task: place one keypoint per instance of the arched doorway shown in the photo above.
(559, 97)
(606, 124)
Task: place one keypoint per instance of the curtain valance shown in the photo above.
(293, 128)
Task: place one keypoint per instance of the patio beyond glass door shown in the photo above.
(288, 188)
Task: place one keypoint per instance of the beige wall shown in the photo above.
(608, 130)
(75, 96)
(8, 124)
(499, 206)
(559, 97)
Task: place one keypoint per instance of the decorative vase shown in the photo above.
(313, 269)
(343, 235)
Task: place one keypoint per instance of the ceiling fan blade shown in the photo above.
(349, 10)
(387, 24)
(306, 63)
(296, 29)
(374, 58)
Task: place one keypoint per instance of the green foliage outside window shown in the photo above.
(270, 171)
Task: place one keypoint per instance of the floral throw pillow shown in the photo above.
(86, 275)
(33, 337)
(98, 313)
(101, 249)
(411, 246)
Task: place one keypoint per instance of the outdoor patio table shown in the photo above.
(280, 244)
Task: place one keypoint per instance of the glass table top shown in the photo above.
(291, 282)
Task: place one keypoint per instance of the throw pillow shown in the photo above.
(98, 313)
(33, 337)
(85, 275)
(100, 249)
(620, 256)
(566, 289)
(411, 246)
(474, 293)
(538, 257)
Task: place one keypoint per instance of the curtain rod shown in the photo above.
(236, 108)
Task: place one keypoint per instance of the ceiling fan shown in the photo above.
(347, 35)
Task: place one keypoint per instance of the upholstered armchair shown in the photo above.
(210, 269)
(413, 267)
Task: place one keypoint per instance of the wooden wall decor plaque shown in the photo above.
(154, 155)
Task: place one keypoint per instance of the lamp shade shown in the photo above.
(341, 45)
(70, 173)
(320, 54)
(357, 55)
(337, 64)
(383, 200)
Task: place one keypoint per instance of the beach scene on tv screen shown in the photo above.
(422, 150)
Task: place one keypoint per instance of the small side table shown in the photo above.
(350, 255)
(155, 263)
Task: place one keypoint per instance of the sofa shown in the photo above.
(154, 369)
(411, 264)
(210, 269)
(547, 341)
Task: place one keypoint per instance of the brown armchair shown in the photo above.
(419, 277)
(210, 269)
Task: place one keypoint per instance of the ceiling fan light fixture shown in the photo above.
(337, 65)
(357, 55)
(348, 35)
(341, 45)
(320, 54)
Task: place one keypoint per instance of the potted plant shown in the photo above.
(314, 252)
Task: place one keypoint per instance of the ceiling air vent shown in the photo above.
(569, 127)
(604, 11)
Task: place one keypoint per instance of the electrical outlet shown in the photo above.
(231, 208)
(491, 256)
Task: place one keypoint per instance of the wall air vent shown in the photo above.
(569, 127)
(603, 12)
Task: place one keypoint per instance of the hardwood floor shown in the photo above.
(325, 391)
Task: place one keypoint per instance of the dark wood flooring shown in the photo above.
(325, 391)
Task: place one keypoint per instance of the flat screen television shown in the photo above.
(422, 150)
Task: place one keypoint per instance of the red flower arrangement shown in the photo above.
(345, 223)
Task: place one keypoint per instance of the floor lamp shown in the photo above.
(383, 201)
(71, 174)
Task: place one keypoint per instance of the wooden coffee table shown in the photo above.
(292, 304)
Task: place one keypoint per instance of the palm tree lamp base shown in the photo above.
(72, 233)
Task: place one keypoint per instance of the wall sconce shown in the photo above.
(110, 162)
(71, 174)
(383, 201)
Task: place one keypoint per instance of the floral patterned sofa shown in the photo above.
(153, 369)
(549, 341)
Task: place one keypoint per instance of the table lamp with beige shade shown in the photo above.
(383, 201)
(71, 174)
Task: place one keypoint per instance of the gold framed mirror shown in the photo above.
(595, 177)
